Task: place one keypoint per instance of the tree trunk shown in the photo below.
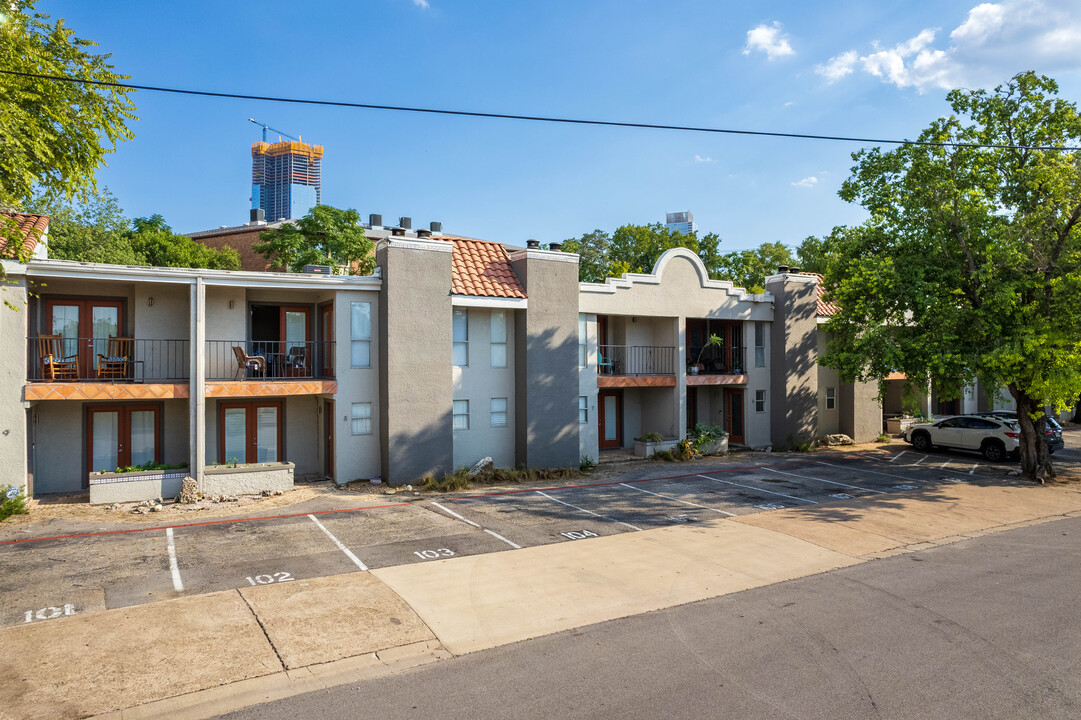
(1035, 457)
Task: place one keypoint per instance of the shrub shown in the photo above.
(800, 444)
(663, 455)
(587, 464)
(685, 449)
(461, 479)
(884, 438)
(707, 434)
(12, 501)
(150, 466)
(650, 437)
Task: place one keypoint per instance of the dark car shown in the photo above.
(1052, 428)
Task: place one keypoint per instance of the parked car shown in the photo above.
(994, 437)
(1052, 428)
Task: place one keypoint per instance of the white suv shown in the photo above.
(994, 437)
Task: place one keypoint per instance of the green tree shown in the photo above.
(91, 231)
(636, 248)
(813, 254)
(54, 135)
(325, 236)
(748, 268)
(592, 249)
(158, 246)
(970, 264)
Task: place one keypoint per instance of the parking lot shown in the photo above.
(44, 578)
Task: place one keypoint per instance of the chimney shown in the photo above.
(258, 215)
(375, 220)
(436, 227)
(795, 271)
(532, 244)
(555, 247)
(405, 223)
(782, 269)
(397, 232)
(424, 233)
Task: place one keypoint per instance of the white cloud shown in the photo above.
(421, 3)
(768, 39)
(700, 159)
(995, 41)
(807, 182)
(838, 66)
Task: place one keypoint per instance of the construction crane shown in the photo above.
(267, 127)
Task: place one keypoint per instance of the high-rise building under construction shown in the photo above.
(286, 178)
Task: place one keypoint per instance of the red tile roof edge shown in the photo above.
(31, 227)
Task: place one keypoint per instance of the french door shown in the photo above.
(122, 436)
(250, 432)
(734, 415)
(610, 418)
(86, 326)
(326, 328)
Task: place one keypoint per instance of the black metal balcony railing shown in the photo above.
(636, 360)
(108, 360)
(718, 360)
(269, 359)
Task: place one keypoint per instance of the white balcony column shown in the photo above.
(681, 377)
(197, 391)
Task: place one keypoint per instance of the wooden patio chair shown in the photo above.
(296, 361)
(245, 362)
(54, 364)
(113, 365)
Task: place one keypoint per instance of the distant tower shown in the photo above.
(682, 222)
(286, 178)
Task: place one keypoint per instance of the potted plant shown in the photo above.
(710, 439)
(714, 340)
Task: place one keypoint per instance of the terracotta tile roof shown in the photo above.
(825, 309)
(481, 267)
(31, 228)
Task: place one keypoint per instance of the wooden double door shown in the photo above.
(85, 324)
(120, 436)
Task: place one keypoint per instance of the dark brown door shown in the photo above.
(326, 330)
(692, 408)
(119, 436)
(610, 418)
(250, 432)
(328, 418)
(86, 326)
(296, 349)
(734, 415)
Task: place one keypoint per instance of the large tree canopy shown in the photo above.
(970, 264)
(634, 248)
(325, 236)
(54, 135)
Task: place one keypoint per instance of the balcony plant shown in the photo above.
(714, 340)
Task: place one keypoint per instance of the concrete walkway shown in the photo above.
(200, 656)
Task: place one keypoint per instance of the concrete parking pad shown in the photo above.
(329, 618)
(88, 664)
(868, 525)
(482, 601)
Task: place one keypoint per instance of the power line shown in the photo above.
(530, 118)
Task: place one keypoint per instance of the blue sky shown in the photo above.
(864, 69)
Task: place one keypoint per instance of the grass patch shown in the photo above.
(884, 438)
(461, 479)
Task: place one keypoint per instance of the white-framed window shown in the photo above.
(831, 398)
(362, 418)
(760, 344)
(583, 336)
(499, 412)
(499, 338)
(460, 353)
(360, 334)
(461, 415)
(759, 400)
(583, 410)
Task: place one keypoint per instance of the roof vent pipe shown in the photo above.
(782, 269)
(532, 244)
(436, 227)
(795, 271)
(555, 247)
(397, 232)
(375, 220)
(424, 233)
(406, 223)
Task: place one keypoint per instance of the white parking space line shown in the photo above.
(174, 569)
(944, 464)
(921, 460)
(602, 517)
(973, 469)
(873, 472)
(343, 548)
(823, 480)
(897, 455)
(758, 489)
(494, 534)
(448, 511)
(669, 497)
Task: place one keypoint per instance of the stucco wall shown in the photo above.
(302, 438)
(829, 421)
(545, 374)
(588, 440)
(659, 407)
(756, 432)
(415, 359)
(357, 456)
(793, 370)
(13, 355)
(479, 382)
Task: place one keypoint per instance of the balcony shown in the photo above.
(636, 366)
(717, 365)
(260, 360)
(114, 360)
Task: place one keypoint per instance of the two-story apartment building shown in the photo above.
(455, 349)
